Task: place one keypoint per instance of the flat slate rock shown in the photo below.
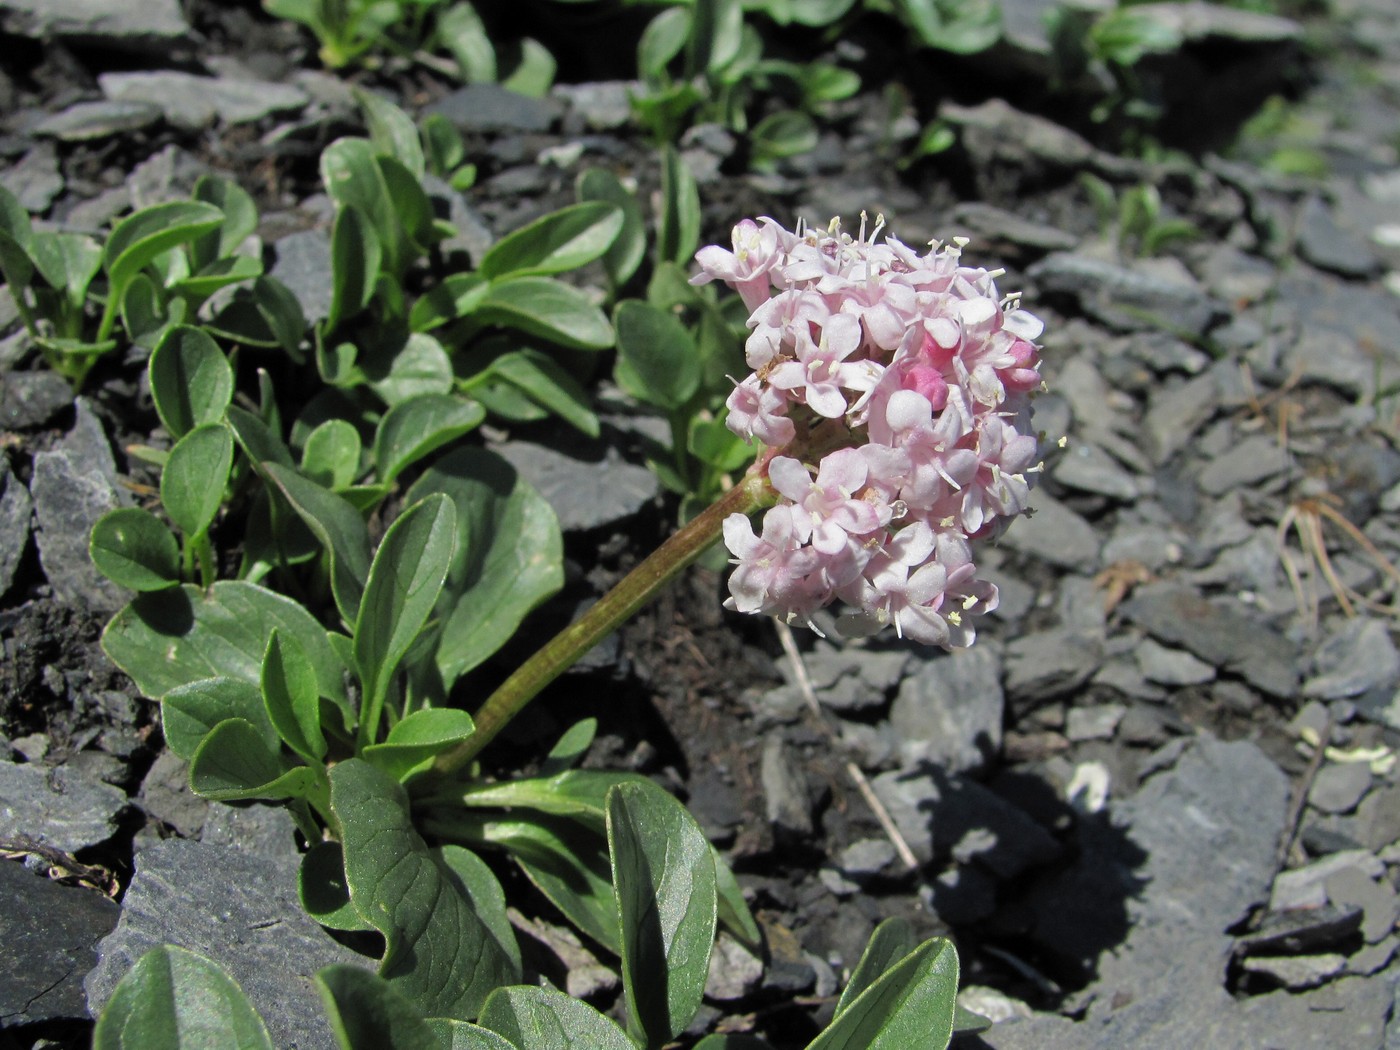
(240, 911)
(15, 512)
(57, 806)
(48, 942)
(88, 121)
(151, 25)
(192, 102)
(589, 488)
(1147, 294)
(1221, 634)
(949, 709)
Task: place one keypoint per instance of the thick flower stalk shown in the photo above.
(893, 391)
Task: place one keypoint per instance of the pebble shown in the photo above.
(1356, 659)
(1374, 896)
(786, 794)
(88, 121)
(1339, 787)
(1096, 722)
(190, 102)
(950, 707)
(1305, 887)
(1056, 534)
(1170, 666)
(1297, 972)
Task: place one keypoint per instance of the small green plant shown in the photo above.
(1132, 220)
(447, 36)
(900, 994)
(158, 267)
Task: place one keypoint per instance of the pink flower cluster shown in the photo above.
(916, 376)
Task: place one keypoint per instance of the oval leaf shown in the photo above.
(190, 712)
(138, 239)
(545, 1019)
(418, 738)
(195, 475)
(549, 309)
(293, 702)
(511, 557)
(174, 1000)
(440, 952)
(563, 240)
(191, 381)
(417, 427)
(664, 881)
(656, 358)
(404, 582)
(233, 763)
(322, 889)
(912, 1004)
(367, 1012)
(627, 251)
(133, 549)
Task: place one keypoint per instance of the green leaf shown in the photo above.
(963, 27)
(656, 358)
(566, 861)
(487, 897)
(416, 740)
(549, 309)
(678, 234)
(391, 130)
(911, 1004)
(545, 1019)
(964, 1020)
(457, 296)
(533, 69)
(562, 240)
(218, 274)
(892, 940)
(571, 748)
(629, 248)
(459, 1035)
(190, 712)
(421, 366)
(368, 1013)
(664, 879)
(68, 262)
(133, 549)
(419, 426)
(145, 314)
(170, 638)
(355, 263)
(413, 212)
(15, 221)
(323, 891)
(578, 793)
(547, 384)
(137, 240)
(441, 955)
(716, 27)
(404, 582)
(711, 442)
(661, 41)
(331, 455)
(232, 763)
(260, 443)
(191, 381)
(267, 314)
(510, 558)
(340, 529)
(174, 1000)
(780, 135)
(442, 143)
(293, 703)
(463, 34)
(239, 223)
(195, 475)
(733, 910)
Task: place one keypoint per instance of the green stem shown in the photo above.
(612, 610)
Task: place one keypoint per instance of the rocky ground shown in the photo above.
(1157, 804)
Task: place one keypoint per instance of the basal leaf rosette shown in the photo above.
(892, 391)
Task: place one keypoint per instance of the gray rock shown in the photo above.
(192, 102)
(1219, 632)
(943, 817)
(1337, 333)
(1357, 659)
(1005, 233)
(166, 796)
(866, 857)
(1339, 786)
(32, 399)
(1298, 972)
(1329, 246)
(849, 680)
(262, 831)
(35, 178)
(1175, 412)
(1254, 459)
(57, 806)
(735, 971)
(1055, 534)
(73, 486)
(1375, 897)
(1047, 664)
(603, 105)
(48, 933)
(1168, 666)
(949, 709)
(15, 512)
(1088, 468)
(304, 266)
(490, 107)
(88, 121)
(169, 175)
(152, 25)
(1195, 20)
(787, 797)
(1305, 887)
(1023, 146)
(1130, 297)
(1095, 722)
(589, 487)
(472, 235)
(239, 911)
